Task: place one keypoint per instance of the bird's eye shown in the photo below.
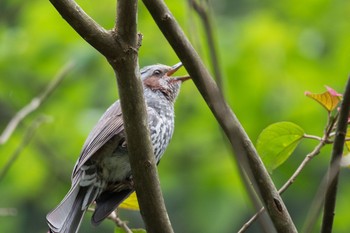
(157, 72)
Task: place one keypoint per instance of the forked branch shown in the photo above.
(120, 47)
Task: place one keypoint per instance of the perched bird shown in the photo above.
(102, 172)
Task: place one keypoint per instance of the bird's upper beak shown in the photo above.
(173, 69)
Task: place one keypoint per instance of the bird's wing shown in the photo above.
(110, 124)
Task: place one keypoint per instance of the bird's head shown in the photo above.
(158, 78)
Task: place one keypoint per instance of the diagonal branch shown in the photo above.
(333, 170)
(291, 180)
(238, 138)
(114, 218)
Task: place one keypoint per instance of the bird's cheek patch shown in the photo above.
(152, 83)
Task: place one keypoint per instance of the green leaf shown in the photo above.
(120, 230)
(138, 230)
(277, 142)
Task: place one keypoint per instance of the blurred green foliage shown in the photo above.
(270, 53)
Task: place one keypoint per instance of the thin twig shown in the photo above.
(289, 182)
(120, 223)
(25, 141)
(307, 159)
(203, 13)
(328, 132)
(35, 103)
(114, 218)
(323, 141)
(332, 183)
(312, 137)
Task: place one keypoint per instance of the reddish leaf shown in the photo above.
(329, 99)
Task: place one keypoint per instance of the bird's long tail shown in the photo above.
(67, 216)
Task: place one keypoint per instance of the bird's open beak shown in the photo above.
(173, 69)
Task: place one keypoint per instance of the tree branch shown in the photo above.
(238, 138)
(114, 218)
(35, 103)
(120, 47)
(333, 170)
(140, 151)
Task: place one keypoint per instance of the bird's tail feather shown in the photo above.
(106, 203)
(67, 216)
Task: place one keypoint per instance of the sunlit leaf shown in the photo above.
(130, 203)
(277, 142)
(328, 99)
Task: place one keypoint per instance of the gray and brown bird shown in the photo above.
(102, 173)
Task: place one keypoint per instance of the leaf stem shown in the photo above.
(322, 142)
(312, 137)
(290, 181)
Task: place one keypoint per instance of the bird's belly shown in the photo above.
(115, 168)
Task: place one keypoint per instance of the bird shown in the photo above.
(102, 173)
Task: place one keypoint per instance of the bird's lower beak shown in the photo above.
(173, 69)
(182, 78)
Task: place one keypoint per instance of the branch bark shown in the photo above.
(238, 138)
(140, 151)
(333, 171)
(120, 47)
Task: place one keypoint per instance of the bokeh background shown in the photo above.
(270, 53)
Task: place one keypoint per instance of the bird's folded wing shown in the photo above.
(109, 125)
